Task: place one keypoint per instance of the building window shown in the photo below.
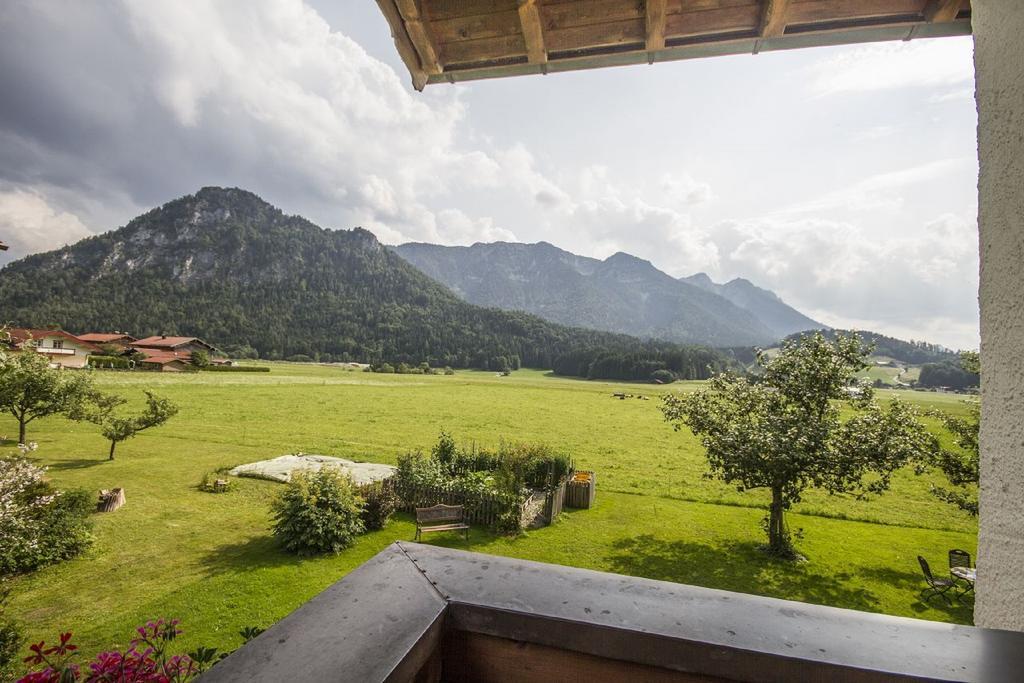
(58, 343)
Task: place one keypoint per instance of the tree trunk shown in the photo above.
(777, 541)
(112, 445)
(21, 429)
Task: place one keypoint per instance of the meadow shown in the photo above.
(209, 559)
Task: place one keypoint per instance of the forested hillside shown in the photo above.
(911, 352)
(226, 266)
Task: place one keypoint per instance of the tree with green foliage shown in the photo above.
(961, 466)
(201, 359)
(30, 388)
(784, 432)
(102, 410)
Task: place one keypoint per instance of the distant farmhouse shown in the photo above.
(64, 349)
(119, 339)
(174, 344)
(170, 354)
(3, 247)
(160, 353)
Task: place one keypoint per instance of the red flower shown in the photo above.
(47, 675)
(64, 648)
(38, 657)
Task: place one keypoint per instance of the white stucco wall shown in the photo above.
(999, 65)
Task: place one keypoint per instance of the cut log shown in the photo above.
(110, 500)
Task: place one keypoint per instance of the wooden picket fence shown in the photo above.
(480, 508)
(554, 502)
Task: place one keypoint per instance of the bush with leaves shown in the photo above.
(318, 513)
(663, 377)
(11, 635)
(39, 525)
(380, 503)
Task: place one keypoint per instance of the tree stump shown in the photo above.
(110, 500)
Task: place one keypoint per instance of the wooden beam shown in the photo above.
(773, 19)
(529, 17)
(942, 10)
(655, 25)
(403, 44)
(419, 35)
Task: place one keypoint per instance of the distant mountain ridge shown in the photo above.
(225, 265)
(771, 310)
(622, 293)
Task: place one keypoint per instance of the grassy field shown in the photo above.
(209, 559)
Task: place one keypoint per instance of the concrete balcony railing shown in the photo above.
(428, 614)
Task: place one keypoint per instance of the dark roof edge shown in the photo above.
(383, 621)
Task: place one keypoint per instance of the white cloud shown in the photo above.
(910, 286)
(933, 63)
(29, 224)
(881, 190)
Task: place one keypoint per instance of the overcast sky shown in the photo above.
(844, 179)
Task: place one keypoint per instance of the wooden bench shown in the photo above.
(441, 518)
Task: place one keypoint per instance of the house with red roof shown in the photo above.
(63, 349)
(173, 344)
(119, 339)
(164, 361)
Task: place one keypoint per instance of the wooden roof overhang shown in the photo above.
(446, 41)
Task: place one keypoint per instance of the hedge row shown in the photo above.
(236, 368)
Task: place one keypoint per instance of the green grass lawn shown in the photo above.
(209, 559)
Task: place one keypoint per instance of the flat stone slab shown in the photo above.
(281, 469)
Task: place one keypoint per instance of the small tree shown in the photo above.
(784, 433)
(101, 409)
(30, 388)
(200, 359)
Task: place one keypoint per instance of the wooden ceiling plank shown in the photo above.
(596, 35)
(483, 50)
(655, 25)
(474, 27)
(816, 11)
(533, 34)
(419, 35)
(583, 12)
(682, 6)
(942, 10)
(453, 9)
(402, 43)
(773, 20)
(713, 21)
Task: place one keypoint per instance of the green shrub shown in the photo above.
(11, 635)
(445, 451)
(111, 362)
(448, 370)
(318, 513)
(416, 470)
(236, 368)
(380, 504)
(663, 377)
(40, 525)
(299, 358)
